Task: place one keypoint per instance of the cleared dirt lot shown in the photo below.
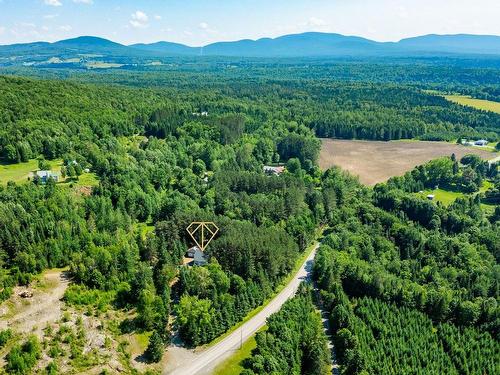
(32, 314)
(375, 161)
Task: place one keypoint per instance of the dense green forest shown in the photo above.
(402, 275)
(161, 165)
(172, 147)
(294, 341)
(465, 175)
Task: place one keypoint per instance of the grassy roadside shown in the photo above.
(280, 287)
(233, 365)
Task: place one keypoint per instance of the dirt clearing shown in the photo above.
(375, 161)
(32, 314)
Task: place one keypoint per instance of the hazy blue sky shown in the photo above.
(197, 22)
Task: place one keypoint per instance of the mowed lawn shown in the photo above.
(447, 197)
(377, 161)
(85, 179)
(19, 172)
(485, 105)
(444, 196)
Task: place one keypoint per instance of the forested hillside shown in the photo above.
(186, 151)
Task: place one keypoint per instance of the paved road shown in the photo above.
(204, 362)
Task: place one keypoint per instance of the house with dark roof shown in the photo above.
(199, 258)
(197, 255)
(190, 253)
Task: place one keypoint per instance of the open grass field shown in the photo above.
(447, 197)
(102, 65)
(20, 172)
(86, 179)
(376, 161)
(444, 196)
(485, 105)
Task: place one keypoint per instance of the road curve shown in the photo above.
(205, 361)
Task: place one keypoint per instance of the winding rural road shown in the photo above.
(204, 362)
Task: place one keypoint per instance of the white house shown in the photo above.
(44, 176)
(481, 142)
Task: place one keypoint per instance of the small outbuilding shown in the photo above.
(431, 197)
(481, 142)
(270, 170)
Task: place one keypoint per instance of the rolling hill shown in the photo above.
(168, 48)
(306, 44)
(460, 43)
(311, 44)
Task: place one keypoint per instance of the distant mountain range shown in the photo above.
(310, 44)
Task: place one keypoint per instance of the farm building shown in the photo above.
(481, 142)
(273, 170)
(431, 197)
(44, 176)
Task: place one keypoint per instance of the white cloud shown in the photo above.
(25, 30)
(139, 19)
(140, 16)
(157, 17)
(206, 28)
(316, 22)
(53, 3)
(2, 30)
(65, 28)
(84, 1)
(50, 16)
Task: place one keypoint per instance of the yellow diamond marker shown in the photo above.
(202, 232)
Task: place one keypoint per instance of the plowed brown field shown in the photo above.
(375, 161)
